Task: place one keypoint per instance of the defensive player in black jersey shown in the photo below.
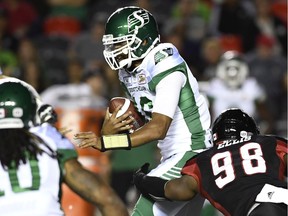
(242, 174)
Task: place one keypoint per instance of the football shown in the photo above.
(127, 105)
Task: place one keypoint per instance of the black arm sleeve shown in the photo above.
(150, 187)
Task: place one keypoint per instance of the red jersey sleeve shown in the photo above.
(281, 148)
(191, 168)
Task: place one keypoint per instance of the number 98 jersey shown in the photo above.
(231, 174)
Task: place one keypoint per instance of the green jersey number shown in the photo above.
(146, 103)
(14, 181)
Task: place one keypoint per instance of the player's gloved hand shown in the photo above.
(47, 114)
(138, 178)
(151, 187)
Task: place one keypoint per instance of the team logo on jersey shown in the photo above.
(140, 79)
(270, 194)
(162, 54)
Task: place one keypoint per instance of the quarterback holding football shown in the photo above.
(162, 87)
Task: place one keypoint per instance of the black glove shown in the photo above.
(47, 114)
(143, 169)
(140, 174)
(138, 178)
(150, 187)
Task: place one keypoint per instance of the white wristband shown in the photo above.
(115, 141)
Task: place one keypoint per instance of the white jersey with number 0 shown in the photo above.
(34, 188)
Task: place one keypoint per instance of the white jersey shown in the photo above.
(243, 97)
(189, 129)
(34, 188)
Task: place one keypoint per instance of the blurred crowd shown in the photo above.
(57, 42)
(56, 46)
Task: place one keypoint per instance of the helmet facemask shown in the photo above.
(118, 52)
(233, 73)
(232, 69)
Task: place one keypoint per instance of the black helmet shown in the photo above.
(233, 124)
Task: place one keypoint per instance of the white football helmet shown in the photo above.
(232, 69)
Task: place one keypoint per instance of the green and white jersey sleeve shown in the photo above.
(163, 83)
(59, 143)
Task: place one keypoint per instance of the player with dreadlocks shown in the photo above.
(36, 160)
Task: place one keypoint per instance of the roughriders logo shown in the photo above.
(137, 20)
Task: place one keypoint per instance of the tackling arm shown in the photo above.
(180, 189)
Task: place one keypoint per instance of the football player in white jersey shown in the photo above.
(232, 87)
(36, 160)
(165, 91)
(45, 112)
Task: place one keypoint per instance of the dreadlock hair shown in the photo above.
(18, 146)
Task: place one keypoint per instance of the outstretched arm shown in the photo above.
(184, 188)
(93, 188)
(180, 189)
